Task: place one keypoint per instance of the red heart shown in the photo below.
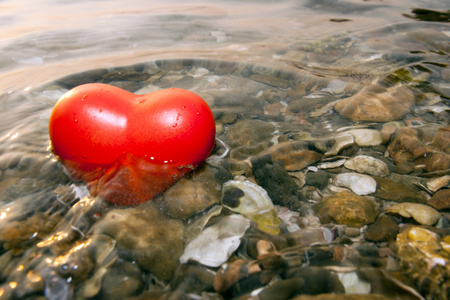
(126, 147)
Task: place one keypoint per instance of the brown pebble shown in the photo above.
(440, 200)
(229, 117)
(383, 229)
(352, 231)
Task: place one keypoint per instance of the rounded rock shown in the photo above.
(348, 209)
(383, 229)
(154, 241)
(360, 184)
(423, 214)
(440, 200)
(377, 104)
(368, 165)
(367, 137)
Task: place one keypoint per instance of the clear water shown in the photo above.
(44, 40)
(354, 41)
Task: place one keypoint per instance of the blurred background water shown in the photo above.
(44, 40)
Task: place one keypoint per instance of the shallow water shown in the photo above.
(273, 73)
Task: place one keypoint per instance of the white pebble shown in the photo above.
(359, 183)
(368, 165)
(366, 137)
(216, 243)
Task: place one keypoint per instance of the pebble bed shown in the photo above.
(318, 188)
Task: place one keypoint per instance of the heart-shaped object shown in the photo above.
(126, 147)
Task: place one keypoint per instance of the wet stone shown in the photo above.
(274, 95)
(251, 201)
(192, 195)
(426, 147)
(317, 280)
(249, 133)
(217, 242)
(281, 187)
(193, 278)
(293, 156)
(367, 165)
(423, 261)
(317, 179)
(155, 249)
(383, 229)
(435, 184)
(359, 183)
(348, 209)
(123, 279)
(440, 200)
(229, 118)
(366, 137)
(283, 289)
(310, 103)
(398, 192)
(352, 231)
(423, 214)
(377, 103)
(309, 236)
(389, 129)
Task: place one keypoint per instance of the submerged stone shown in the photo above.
(383, 229)
(366, 137)
(318, 179)
(437, 183)
(143, 233)
(216, 243)
(123, 279)
(190, 196)
(368, 165)
(424, 260)
(317, 280)
(293, 156)
(249, 132)
(377, 103)
(359, 183)
(427, 148)
(398, 192)
(348, 209)
(423, 214)
(252, 201)
(280, 186)
(440, 200)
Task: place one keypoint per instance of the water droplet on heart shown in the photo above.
(83, 155)
(174, 125)
(74, 155)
